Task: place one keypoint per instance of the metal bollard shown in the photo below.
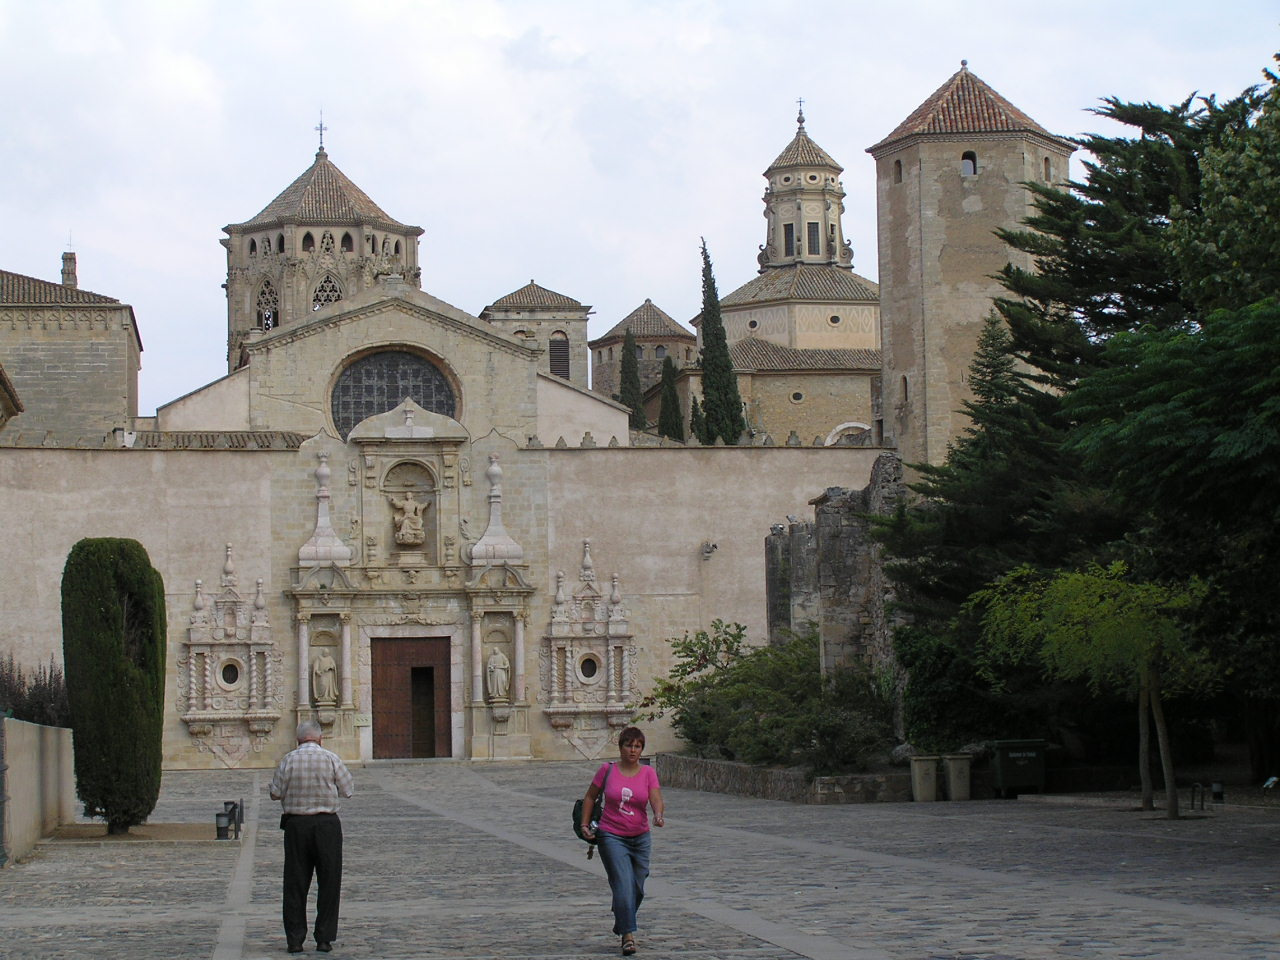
(1219, 794)
(1197, 788)
(222, 823)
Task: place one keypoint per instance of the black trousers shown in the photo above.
(312, 844)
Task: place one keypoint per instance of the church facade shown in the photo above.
(417, 525)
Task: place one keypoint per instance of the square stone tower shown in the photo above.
(947, 179)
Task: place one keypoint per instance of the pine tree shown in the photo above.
(113, 645)
(722, 405)
(670, 423)
(698, 423)
(632, 397)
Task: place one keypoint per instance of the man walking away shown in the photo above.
(308, 783)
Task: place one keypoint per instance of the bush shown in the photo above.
(113, 642)
(771, 704)
(40, 698)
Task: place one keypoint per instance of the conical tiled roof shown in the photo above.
(532, 295)
(646, 320)
(16, 288)
(803, 152)
(323, 195)
(964, 104)
(804, 281)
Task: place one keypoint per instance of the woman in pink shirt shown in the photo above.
(623, 830)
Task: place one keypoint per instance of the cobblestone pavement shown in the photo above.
(449, 860)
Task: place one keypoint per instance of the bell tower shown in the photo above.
(803, 204)
(320, 241)
(947, 178)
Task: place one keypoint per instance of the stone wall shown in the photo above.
(38, 788)
(829, 571)
(775, 783)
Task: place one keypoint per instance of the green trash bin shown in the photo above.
(1019, 767)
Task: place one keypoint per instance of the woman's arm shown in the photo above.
(659, 806)
(589, 804)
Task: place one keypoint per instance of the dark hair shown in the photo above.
(629, 734)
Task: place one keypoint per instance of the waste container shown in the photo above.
(956, 766)
(924, 778)
(1019, 766)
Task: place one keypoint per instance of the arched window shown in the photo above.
(268, 306)
(279, 243)
(611, 354)
(1048, 170)
(897, 171)
(659, 352)
(308, 242)
(378, 382)
(397, 250)
(327, 292)
(253, 248)
(905, 395)
(968, 164)
(347, 245)
(688, 354)
(639, 351)
(558, 354)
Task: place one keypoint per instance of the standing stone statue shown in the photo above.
(499, 670)
(410, 529)
(324, 679)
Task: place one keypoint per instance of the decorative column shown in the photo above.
(521, 616)
(304, 660)
(611, 688)
(347, 701)
(477, 658)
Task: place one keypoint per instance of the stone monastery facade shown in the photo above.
(420, 526)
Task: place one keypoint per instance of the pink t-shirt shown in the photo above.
(626, 800)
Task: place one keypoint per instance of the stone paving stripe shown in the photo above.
(235, 908)
(810, 946)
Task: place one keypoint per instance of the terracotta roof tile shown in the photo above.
(532, 295)
(646, 320)
(804, 281)
(803, 152)
(755, 354)
(323, 194)
(964, 104)
(15, 288)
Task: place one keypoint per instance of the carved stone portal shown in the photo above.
(230, 675)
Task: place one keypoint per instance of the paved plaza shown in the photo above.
(449, 860)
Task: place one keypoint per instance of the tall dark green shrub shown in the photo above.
(721, 402)
(670, 422)
(698, 423)
(632, 396)
(113, 647)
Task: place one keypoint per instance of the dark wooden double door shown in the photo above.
(411, 697)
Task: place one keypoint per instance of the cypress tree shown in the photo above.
(113, 645)
(670, 423)
(722, 405)
(698, 423)
(632, 396)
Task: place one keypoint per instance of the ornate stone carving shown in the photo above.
(230, 674)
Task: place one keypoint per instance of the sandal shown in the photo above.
(628, 944)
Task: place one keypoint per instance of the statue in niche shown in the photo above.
(410, 513)
(324, 679)
(499, 671)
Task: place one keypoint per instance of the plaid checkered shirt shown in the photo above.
(310, 779)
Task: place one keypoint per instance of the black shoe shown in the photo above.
(295, 948)
(323, 946)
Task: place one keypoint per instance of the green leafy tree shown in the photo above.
(721, 402)
(698, 423)
(1096, 625)
(670, 421)
(113, 641)
(632, 397)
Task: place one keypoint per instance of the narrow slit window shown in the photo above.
(969, 164)
(788, 239)
(897, 171)
(815, 238)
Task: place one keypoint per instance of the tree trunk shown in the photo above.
(1144, 741)
(1166, 751)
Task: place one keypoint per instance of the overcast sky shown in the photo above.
(587, 145)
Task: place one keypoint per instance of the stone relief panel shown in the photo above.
(587, 661)
(230, 674)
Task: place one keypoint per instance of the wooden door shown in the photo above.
(411, 697)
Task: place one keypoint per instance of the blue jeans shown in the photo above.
(626, 861)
